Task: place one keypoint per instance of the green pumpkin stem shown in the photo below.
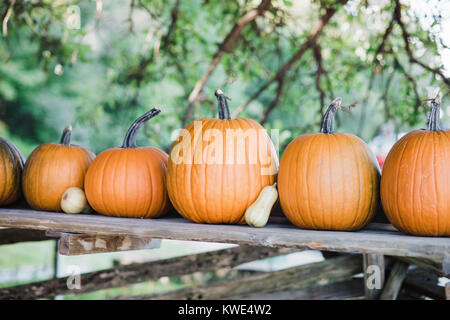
(222, 104)
(66, 135)
(434, 117)
(130, 137)
(328, 118)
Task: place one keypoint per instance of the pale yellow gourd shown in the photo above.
(74, 201)
(258, 213)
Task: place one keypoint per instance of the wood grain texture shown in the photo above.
(12, 235)
(423, 283)
(395, 281)
(273, 235)
(72, 244)
(140, 272)
(373, 260)
(331, 270)
(447, 291)
(348, 289)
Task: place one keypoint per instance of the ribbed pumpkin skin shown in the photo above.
(328, 181)
(217, 191)
(415, 189)
(11, 166)
(128, 182)
(50, 170)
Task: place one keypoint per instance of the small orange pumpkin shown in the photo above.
(129, 181)
(218, 167)
(329, 180)
(415, 190)
(11, 166)
(53, 168)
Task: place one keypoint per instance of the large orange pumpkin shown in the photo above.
(53, 168)
(329, 180)
(218, 167)
(129, 181)
(415, 189)
(11, 166)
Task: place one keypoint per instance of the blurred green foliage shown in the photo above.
(129, 56)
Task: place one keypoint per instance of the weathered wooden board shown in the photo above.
(332, 270)
(374, 267)
(348, 289)
(13, 235)
(395, 281)
(447, 291)
(423, 283)
(273, 235)
(140, 272)
(72, 244)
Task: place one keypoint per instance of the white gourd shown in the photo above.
(74, 201)
(258, 213)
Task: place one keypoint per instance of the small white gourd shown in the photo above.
(74, 201)
(258, 213)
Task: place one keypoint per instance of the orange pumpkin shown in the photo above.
(415, 190)
(53, 168)
(329, 180)
(218, 167)
(129, 181)
(11, 166)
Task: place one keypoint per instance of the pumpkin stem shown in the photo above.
(224, 110)
(328, 118)
(130, 137)
(434, 117)
(66, 135)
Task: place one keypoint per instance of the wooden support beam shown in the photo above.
(13, 235)
(446, 266)
(72, 244)
(347, 289)
(374, 274)
(423, 283)
(141, 272)
(331, 270)
(433, 266)
(447, 291)
(395, 281)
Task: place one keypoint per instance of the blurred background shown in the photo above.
(98, 65)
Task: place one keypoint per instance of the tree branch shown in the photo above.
(406, 36)
(275, 102)
(317, 31)
(225, 47)
(413, 84)
(320, 71)
(7, 16)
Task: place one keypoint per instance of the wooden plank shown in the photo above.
(140, 272)
(348, 289)
(446, 266)
(330, 270)
(71, 244)
(273, 235)
(421, 282)
(13, 235)
(374, 269)
(447, 291)
(395, 281)
(433, 266)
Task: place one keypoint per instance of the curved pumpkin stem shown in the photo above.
(224, 110)
(66, 135)
(328, 118)
(434, 117)
(130, 137)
